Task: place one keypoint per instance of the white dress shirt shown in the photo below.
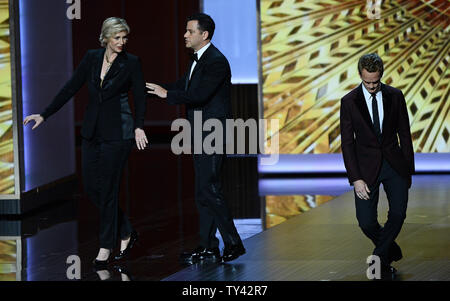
(379, 97)
(199, 55)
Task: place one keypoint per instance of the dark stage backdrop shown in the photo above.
(46, 66)
(156, 177)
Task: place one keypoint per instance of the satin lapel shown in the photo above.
(197, 67)
(188, 78)
(98, 67)
(202, 60)
(387, 105)
(362, 106)
(116, 67)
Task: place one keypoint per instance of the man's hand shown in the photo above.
(141, 139)
(156, 90)
(38, 119)
(361, 189)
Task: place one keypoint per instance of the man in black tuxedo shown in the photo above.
(205, 88)
(377, 148)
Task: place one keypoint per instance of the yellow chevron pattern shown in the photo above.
(6, 118)
(281, 208)
(310, 51)
(8, 260)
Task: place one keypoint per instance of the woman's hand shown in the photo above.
(141, 139)
(38, 119)
(156, 90)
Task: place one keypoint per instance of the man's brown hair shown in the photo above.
(371, 62)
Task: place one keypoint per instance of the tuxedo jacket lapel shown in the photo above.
(362, 106)
(98, 68)
(116, 67)
(387, 105)
(201, 62)
(198, 66)
(188, 79)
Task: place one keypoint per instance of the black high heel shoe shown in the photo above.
(133, 239)
(101, 264)
(103, 274)
(124, 271)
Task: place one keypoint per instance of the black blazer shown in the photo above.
(361, 150)
(108, 113)
(208, 90)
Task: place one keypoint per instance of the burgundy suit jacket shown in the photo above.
(362, 152)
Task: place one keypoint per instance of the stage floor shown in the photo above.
(326, 243)
(322, 243)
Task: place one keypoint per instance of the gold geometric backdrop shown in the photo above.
(280, 208)
(310, 51)
(8, 260)
(6, 118)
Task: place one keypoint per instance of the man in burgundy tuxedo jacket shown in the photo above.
(377, 148)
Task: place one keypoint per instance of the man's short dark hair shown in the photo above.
(371, 62)
(205, 23)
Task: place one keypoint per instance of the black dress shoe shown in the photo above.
(388, 273)
(192, 256)
(201, 253)
(210, 253)
(133, 239)
(395, 253)
(232, 252)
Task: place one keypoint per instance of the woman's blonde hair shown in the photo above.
(110, 27)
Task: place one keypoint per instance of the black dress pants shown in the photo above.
(212, 208)
(102, 166)
(396, 188)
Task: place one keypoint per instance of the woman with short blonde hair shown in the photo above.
(108, 130)
(112, 26)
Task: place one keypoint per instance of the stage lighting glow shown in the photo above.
(236, 36)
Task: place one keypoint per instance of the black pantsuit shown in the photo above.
(396, 188)
(102, 166)
(108, 131)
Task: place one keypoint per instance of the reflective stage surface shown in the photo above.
(317, 240)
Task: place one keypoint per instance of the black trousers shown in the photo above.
(102, 165)
(396, 188)
(213, 210)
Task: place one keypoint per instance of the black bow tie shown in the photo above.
(194, 57)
